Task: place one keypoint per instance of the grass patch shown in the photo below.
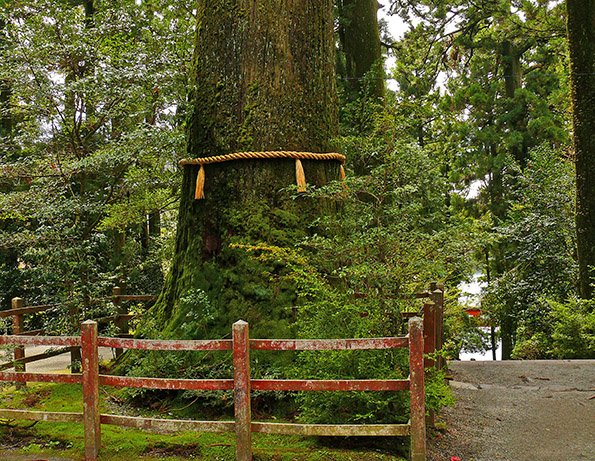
(66, 440)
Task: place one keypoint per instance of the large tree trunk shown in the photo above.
(263, 81)
(581, 44)
(361, 44)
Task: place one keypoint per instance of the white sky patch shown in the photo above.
(472, 191)
(397, 28)
(471, 291)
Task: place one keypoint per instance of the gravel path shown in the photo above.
(519, 410)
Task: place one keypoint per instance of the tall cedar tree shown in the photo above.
(360, 40)
(263, 81)
(581, 45)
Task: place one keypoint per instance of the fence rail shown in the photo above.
(18, 311)
(431, 311)
(241, 384)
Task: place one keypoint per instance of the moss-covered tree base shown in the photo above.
(213, 282)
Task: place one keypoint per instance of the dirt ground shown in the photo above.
(519, 410)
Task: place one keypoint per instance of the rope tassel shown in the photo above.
(300, 177)
(200, 184)
(299, 169)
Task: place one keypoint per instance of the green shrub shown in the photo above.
(573, 330)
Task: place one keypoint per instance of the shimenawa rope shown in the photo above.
(298, 156)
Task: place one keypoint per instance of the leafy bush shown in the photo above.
(324, 311)
(573, 330)
(569, 334)
(538, 242)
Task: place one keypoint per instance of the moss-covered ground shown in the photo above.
(66, 440)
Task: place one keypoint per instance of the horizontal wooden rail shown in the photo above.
(17, 340)
(337, 430)
(25, 310)
(45, 307)
(167, 345)
(410, 315)
(22, 377)
(329, 385)
(170, 425)
(41, 416)
(32, 333)
(107, 319)
(328, 344)
(167, 383)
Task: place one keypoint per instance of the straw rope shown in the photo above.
(298, 156)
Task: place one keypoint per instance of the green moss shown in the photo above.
(51, 439)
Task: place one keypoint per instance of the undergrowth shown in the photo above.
(66, 440)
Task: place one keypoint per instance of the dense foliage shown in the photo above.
(93, 102)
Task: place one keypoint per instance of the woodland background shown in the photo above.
(94, 104)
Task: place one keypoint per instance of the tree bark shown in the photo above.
(263, 80)
(361, 44)
(581, 45)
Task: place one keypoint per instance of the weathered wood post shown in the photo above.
(416, 377)
(90, 362)
(241, 378)
(121, 322)
(17, 329)
(429, 330)
(437, 296)
(75, 354)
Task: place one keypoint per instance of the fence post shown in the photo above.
(437, 297)
(18, 328)
(416, 377)
(241, 385)
(429, 331)
(121, 323)
(91, 417)
(75, 354)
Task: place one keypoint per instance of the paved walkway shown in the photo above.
(520, 410)
(60, 363)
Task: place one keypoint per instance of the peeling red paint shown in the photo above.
(330, 385)
(166, 345)
(90, 359)
(417, 401)
(241, 377)
(327, 344)
(40, 377)
(166, 383)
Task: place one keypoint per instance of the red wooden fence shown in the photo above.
(18, 312)
(241, 383)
